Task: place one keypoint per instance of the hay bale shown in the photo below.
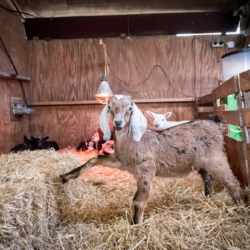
(95, 211)
(28, 191)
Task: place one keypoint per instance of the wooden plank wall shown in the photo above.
(236, 160)
(70, 70)
(12, 34)
(237, 150)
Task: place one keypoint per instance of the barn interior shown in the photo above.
(165, 55)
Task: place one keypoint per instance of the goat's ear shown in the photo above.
(32, 138)
(138, 123)
(46, 138)
(25, 138)
(151, 114)
(104, 124)
(167, 115)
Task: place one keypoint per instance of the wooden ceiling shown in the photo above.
(67, 8)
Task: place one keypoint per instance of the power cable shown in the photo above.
(16, 11)
(148, 78)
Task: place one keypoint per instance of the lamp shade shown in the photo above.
(104, 93)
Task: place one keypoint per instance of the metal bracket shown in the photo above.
(14, 102)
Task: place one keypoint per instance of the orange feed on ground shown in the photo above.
(99, 171)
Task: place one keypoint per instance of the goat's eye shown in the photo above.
(130, 109)
(162, 119)
(109, 107)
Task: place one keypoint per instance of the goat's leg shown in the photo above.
(108, 161)
(140, 198)
(220, 169)
(208, 181)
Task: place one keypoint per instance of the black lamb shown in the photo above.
(27, 145)
(41, 143)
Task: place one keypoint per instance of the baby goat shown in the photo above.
(161, 122)
(174, 152)
(41, 143)
(27, 145)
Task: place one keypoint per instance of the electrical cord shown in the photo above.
(16, 11)
(193, 43)
(148, 78)
(8, 55)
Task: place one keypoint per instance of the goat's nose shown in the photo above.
(118, 123)
(157, 126)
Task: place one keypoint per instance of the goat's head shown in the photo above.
(159, 119)
(27, 141)
(123, 113)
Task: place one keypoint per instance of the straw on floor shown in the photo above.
(95, 211)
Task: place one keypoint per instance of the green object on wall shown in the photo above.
(231, 101)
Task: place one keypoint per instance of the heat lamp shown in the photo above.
(104, 93)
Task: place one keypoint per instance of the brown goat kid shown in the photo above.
(174, 152)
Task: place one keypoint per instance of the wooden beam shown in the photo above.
(206, 99)
(227, 88)
(245, 80)
(190, 99)
(113, 25)
(222, 107)
(246, 117)
(94, 102)
(236, 159)
(14, 76)
(248, 154)
(231, 116)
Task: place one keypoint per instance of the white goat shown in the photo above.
(161, 122)
(175, 152)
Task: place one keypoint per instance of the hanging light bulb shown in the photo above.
(104, 92)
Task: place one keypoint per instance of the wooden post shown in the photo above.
(244, 104)
(196, 108)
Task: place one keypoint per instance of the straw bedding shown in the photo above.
(95, 211)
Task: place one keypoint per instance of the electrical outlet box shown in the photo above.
(230, 44)
(218, 44)
(14, 102)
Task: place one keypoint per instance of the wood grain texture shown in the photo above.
(245, 80)
(236, 160)
(12, 34)
(246, 117)
(65, 125)
(206, 99)
(227, 88)
(222, 107)
(71, 70)
(231, 117)
(90, 102)
(69, 125)
(248, 155)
